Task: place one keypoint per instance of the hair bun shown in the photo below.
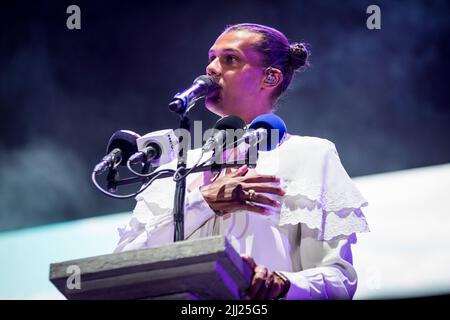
(298, 55)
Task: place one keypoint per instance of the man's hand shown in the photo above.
(239, 191)
(265, 284)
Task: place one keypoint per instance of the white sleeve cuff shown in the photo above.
(197, 211)
(299, 289)
(195, 201)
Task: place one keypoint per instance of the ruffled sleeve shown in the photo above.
(319, 192)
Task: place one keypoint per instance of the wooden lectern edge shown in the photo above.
(123, 263)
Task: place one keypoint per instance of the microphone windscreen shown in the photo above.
(125, 140)
(230, 129)
(229, 122)
(269, 122)
(208, 82)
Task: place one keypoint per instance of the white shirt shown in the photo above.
(308, 239)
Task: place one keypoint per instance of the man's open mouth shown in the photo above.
(215, 95)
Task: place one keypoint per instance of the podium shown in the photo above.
(206, 268)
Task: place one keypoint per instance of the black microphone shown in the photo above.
(223, 125)
(121, 146)
(152, 151)
(201, 87)
(157, 148)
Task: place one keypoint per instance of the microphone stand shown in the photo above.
(111, 179)
(180, 188)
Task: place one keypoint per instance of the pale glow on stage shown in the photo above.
(407, 253)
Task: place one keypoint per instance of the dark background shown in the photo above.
(381, 96)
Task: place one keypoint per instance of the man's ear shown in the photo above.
(272, 78)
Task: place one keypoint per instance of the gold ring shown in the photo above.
(251, 194)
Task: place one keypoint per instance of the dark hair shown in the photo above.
(276, 51)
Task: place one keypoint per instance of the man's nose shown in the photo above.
(213, 68)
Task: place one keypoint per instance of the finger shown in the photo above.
(275, 290)
(250, 206)
(262, 178)
(265, 287)
(258, 280)
(261, 294)
(266, 188)
(250, 261)
(228, 170)
(261, 198)
(241, 171)
(238, 193)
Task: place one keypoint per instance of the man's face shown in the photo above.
(236, 67)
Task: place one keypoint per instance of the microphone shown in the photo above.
(121, 146)
(158, 148)
(202, 86)
(267, 131)
(223, 125)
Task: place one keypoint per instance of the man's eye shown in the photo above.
(231, 59)
(211, 59)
